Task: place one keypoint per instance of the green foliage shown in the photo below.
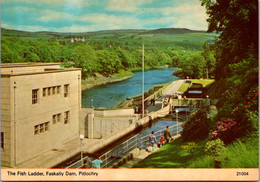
(203, 162)
(195, 64)
(197, 126)
(235, 20)
(241, 154)
(172, 156)
(189, 147)
(214, 147)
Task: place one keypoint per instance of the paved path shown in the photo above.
(170, 90)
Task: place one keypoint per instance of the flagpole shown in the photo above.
(143, 83)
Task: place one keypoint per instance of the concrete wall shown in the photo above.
(103, 123)
(27, 115)
(6, 121)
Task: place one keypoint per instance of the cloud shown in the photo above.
(125, 5)
(49, 15)
(74, 3)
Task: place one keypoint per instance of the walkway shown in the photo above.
(170, 90)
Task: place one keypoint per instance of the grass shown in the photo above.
(243, 154)
(172, 156)
(204, 82)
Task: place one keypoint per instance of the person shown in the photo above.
(96, 163)
(170, 97)
(161, 141)
(175, 95)
(167, 134)
(85, 164)
(179, 97)
(152, 140)
(153, 101)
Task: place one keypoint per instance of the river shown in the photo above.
(109, 95)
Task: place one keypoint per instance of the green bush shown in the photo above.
(197, 126)
(214, 147)
(189, 148)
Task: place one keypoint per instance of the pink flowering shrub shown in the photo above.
(227, 130)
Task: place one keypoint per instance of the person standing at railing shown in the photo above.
(167, 134)
(96, 163)
(152, 140)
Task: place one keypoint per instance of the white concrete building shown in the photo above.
(40, 106)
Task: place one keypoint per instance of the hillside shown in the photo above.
(176, 34)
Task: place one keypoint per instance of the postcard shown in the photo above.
(136, 90)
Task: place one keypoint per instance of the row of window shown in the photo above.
(48, 91)
(56, 118)
(41, 128)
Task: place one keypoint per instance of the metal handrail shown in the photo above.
(133, 142)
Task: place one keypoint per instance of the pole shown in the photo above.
(92, 105)
(81, 154)
(81, 137)
(177, 121)
(143, 83)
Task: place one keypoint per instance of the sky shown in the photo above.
(95, 15)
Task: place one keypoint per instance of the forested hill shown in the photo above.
(128, 33)
(108, 52)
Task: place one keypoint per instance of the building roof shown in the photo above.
(18, 69)
(15, 65)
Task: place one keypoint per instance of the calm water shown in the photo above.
(109, 95)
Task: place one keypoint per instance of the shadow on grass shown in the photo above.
(172, 156)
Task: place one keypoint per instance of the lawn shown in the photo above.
(242, 153)
(172, 156)
(204, 82)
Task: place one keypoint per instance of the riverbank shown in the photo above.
(100, 79)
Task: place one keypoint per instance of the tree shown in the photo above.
(237, 23)
(84, 57)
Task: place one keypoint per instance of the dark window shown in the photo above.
(36, 129)
(66, 117)
(44, 90)
(53, 90)
(35, 96)
(49, 91)
(2, 140)
(47, 126)
(58, 89)
(66, 90)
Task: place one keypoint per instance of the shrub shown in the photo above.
(196, 127)
(189, 148)
(214, 147)
(226, 130)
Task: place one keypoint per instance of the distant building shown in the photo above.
(77, 40)
(40, 106)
